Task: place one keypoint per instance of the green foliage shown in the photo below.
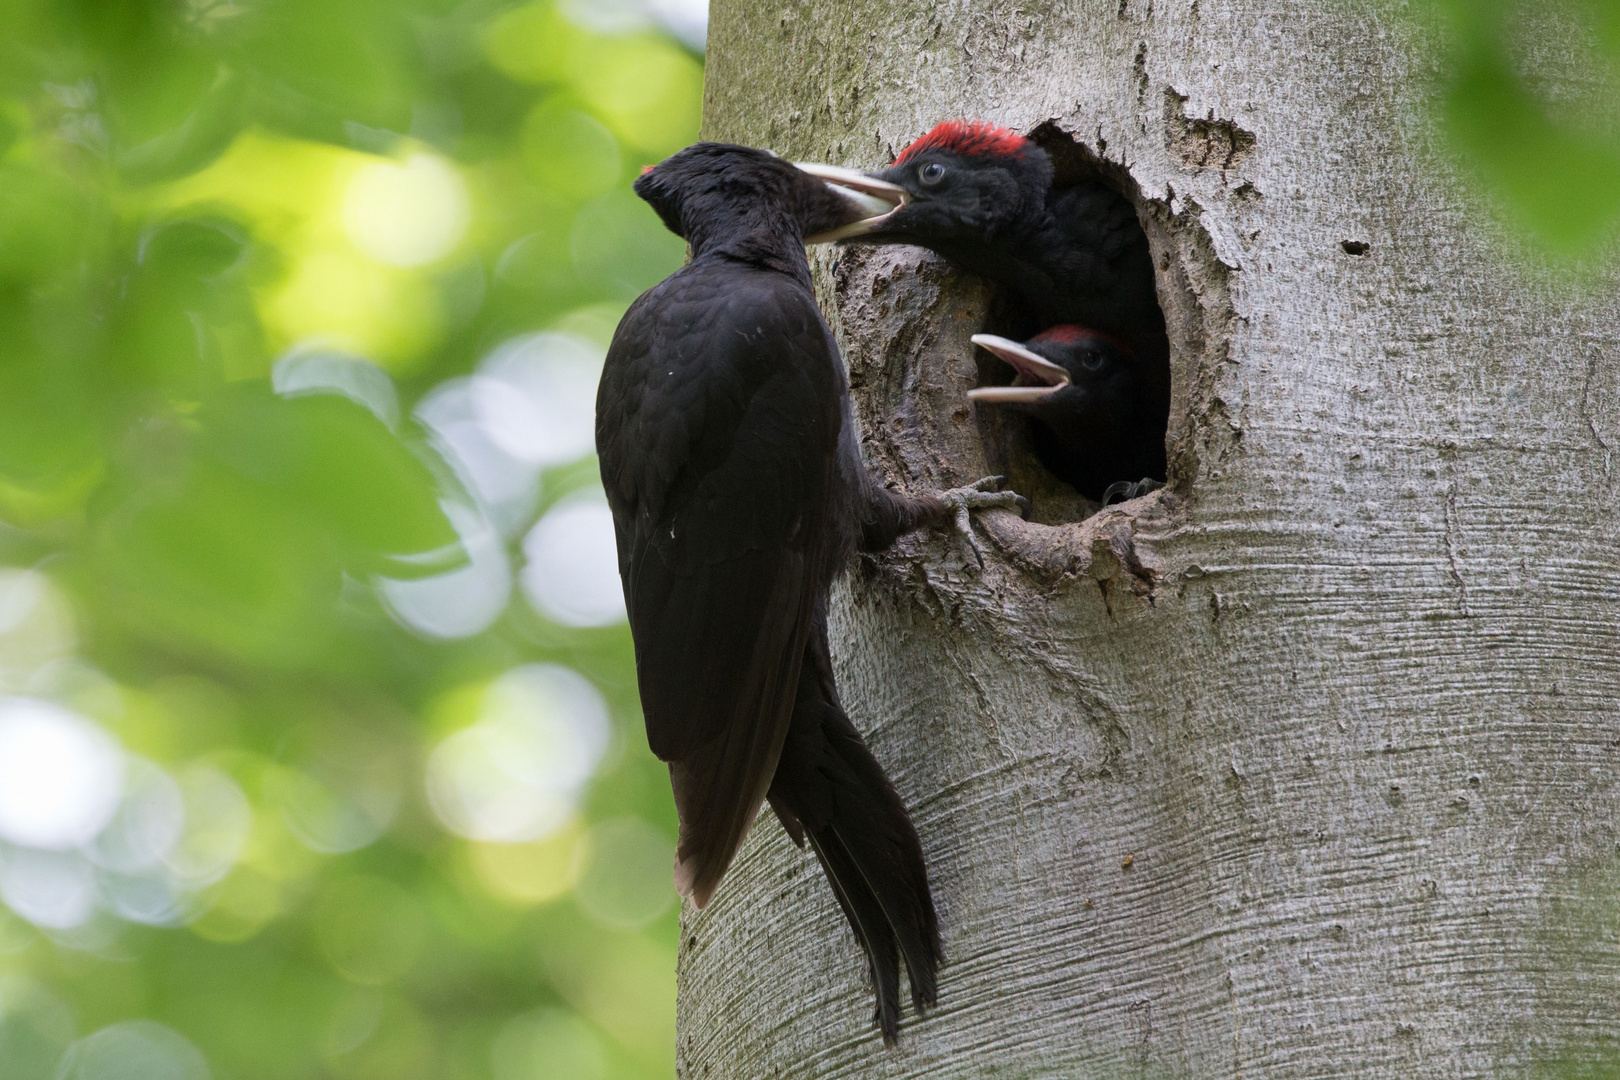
(240, 244)
(1528, 99)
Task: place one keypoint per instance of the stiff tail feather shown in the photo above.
(830, 790)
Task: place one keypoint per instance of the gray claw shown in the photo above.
(1119, 489)
(1126, 490)
(964, 500)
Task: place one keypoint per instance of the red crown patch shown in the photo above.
(1066, 334)
(1069, 334)
(968, 137)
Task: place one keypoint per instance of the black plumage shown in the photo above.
(729, 458)
(982, 197)
(1082, 391)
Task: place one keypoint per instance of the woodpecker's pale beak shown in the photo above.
(1038, 378)
(876, 199)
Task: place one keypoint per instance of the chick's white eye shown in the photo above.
(931, 173)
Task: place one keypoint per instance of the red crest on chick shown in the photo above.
(974, 138)
(1069, 334)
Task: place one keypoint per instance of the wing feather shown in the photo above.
(717, 427)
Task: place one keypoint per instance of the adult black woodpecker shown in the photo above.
(982, 197)
(729, 457)
(1082, 390)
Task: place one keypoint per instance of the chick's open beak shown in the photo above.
(1038, 377)
(876, 199)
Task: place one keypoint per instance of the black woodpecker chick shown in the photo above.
(1082, 390)
(982, 197)
(729, 457)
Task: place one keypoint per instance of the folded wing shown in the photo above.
(717, 428)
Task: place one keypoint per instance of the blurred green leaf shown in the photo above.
(50, 456)
(646, 88)
(318, 65)
(189, 141)
(1559, 177)
(330, 460)
(45, 228)
(616, 248)
(214, 565)
(569, 152)
(206, 199)
(179, 303)
(534, 43)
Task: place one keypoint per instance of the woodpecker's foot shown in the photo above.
(980, 495)
(1126, 490)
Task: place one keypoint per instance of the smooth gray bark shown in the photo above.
(1304, 767)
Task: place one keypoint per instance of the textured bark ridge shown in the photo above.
(1304, 766)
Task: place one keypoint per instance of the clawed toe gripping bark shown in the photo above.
(964, 500)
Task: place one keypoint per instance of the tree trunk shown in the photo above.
(1304, 766)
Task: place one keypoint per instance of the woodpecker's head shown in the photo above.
(964, 180)
(1066, 369)
(713, 190)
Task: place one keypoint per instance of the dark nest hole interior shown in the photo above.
(1009, 441)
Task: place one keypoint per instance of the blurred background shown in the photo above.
(320, 753)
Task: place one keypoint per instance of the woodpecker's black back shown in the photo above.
(729, 459)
